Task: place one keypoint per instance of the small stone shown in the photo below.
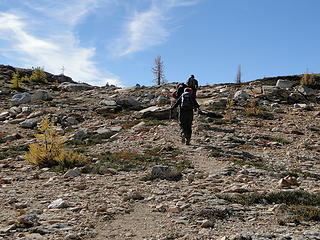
(207, 224)
(59, 203)
(72, 173)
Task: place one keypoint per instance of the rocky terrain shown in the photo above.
(251, 171)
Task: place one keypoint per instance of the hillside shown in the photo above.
(251, 171)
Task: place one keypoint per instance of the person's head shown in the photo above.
(192, 76)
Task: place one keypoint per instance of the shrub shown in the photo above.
(229, 117)
(16, 82)
(252, 109)
(308, 79)
(49, 150)
(38, 75)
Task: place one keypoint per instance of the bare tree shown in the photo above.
(158, 71)
(238, 79)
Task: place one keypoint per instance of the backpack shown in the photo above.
(187, 101)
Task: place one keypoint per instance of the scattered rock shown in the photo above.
(29, 123)
(59, 203)
(22, 98)
(165, 172)
(43, 95)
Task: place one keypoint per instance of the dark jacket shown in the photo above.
(178, 102)
(192, 83)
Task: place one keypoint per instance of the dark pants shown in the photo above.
(185, 120)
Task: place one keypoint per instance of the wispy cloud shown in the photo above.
(149, 28)
(59, 47)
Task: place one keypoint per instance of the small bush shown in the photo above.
(229, 116)
(252, 109)
(49, 150)
(289, 198)
(38, 75)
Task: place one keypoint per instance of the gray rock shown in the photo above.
(4, 116)
(305, 90)
(14, 111)
(161, 100)
(217, 103)
(207, 224)
(59, 203)
(72, 173)
(28, 220)
(75, 87)
(241, 95)
(127, 101)
(155, 112)
(108, 103)
(284, 83)
(165, 172)
(29, 123)
(72, 120)
(80, 134)
(41, 95)
(296, 97)
(22, 98)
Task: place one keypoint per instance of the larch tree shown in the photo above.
(158, 71)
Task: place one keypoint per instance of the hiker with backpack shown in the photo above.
(186, 103)
(193, 84)
(179, 90)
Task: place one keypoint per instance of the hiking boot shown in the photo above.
(188, 142)
(183, 140)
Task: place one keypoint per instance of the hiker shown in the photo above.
(179, 90)
(193, 84)
(186, 103)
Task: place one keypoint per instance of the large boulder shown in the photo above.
(284, 83)
(165, 172)
(306, 91)
(160, 113)
(21, 98)
(127, 101)
(241, 95)
(41, 95)
(29, 123)
(66, 86)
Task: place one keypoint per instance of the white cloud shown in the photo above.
(149, 28)
(52, 53)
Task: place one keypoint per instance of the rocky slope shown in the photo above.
(251, 172)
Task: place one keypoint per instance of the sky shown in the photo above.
(117, 41)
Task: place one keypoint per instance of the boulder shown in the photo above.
(241, 95)
(305, 90)
(284, 83)
(29, 123)
(220, 103)
(4, 115)
(161, 100)
(22, 98)
(14, 111)
(127, 101)
(165, 172)
(66, 86)
(72, 173)
(108, 103)
(41, 95)
(296, 97)
(155, 112)
(59, 203)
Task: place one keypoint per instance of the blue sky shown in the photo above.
(116, 41)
